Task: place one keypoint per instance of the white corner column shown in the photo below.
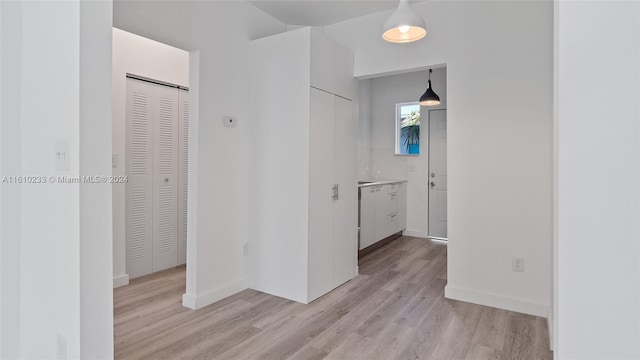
(597, 153)
(96, 239)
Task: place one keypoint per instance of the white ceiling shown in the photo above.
(321, 12)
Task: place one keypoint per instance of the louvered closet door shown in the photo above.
(182, 175)
(165, 180)
(139, 188)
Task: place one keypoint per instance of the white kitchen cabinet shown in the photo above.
(368, 221)
(303, 148)
(383, 212)
(389, 208)
(392, 224)
(382, 206)
(402, 207)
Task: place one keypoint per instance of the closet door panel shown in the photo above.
(320, 193)
(139, 188)
(165, 210)
(345, 245)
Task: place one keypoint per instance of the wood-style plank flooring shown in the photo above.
(395, 309)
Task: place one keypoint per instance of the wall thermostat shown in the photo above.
(229, 121)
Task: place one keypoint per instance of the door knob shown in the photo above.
(166, 179)
(433, 184)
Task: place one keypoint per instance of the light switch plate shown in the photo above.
(229, 121)
(62, 156)
(517, 264)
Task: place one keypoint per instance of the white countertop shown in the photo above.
(379, 182)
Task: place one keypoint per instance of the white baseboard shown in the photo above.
(197, 302)
(189, 301)
(120, 280)
(496, 301)
(414, 233)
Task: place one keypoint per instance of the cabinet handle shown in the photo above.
(337, 192)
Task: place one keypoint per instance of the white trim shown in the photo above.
(415, 233)
(194, 302)
(120, 280)
(193, 172)
(397, 129)
(496, 301)
(550, 327)
(435, 238)
(189, 301)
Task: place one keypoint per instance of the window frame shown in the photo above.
(398, 131)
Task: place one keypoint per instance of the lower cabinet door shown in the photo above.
(392, 224)
(367, 217)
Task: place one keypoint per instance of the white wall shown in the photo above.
(10, 163)
(364, 129)
(140, 56)
(220, 32)
(597, 274)
(62, 262)
(1, 190)
(49, 244)
(499, 87)
(386, 92)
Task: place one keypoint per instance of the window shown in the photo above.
(408, 128)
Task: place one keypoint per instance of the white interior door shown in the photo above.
(183, 169)
(345, 247)
(165, 196)
(438, 173)
(139, 188)
(321, 155)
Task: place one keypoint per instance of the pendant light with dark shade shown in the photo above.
(429, 98)
(404, 25)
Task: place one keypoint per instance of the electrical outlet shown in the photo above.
(62, 348)
(517, 264)
(245, 249)
(229, 121)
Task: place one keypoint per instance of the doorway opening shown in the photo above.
(150, 142)
(402, 142)
(396, 139)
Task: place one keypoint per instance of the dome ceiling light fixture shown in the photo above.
(429, 98)
(404, 25)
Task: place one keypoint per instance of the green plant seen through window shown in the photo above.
(409, 139)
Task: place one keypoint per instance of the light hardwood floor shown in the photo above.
(395, 309)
